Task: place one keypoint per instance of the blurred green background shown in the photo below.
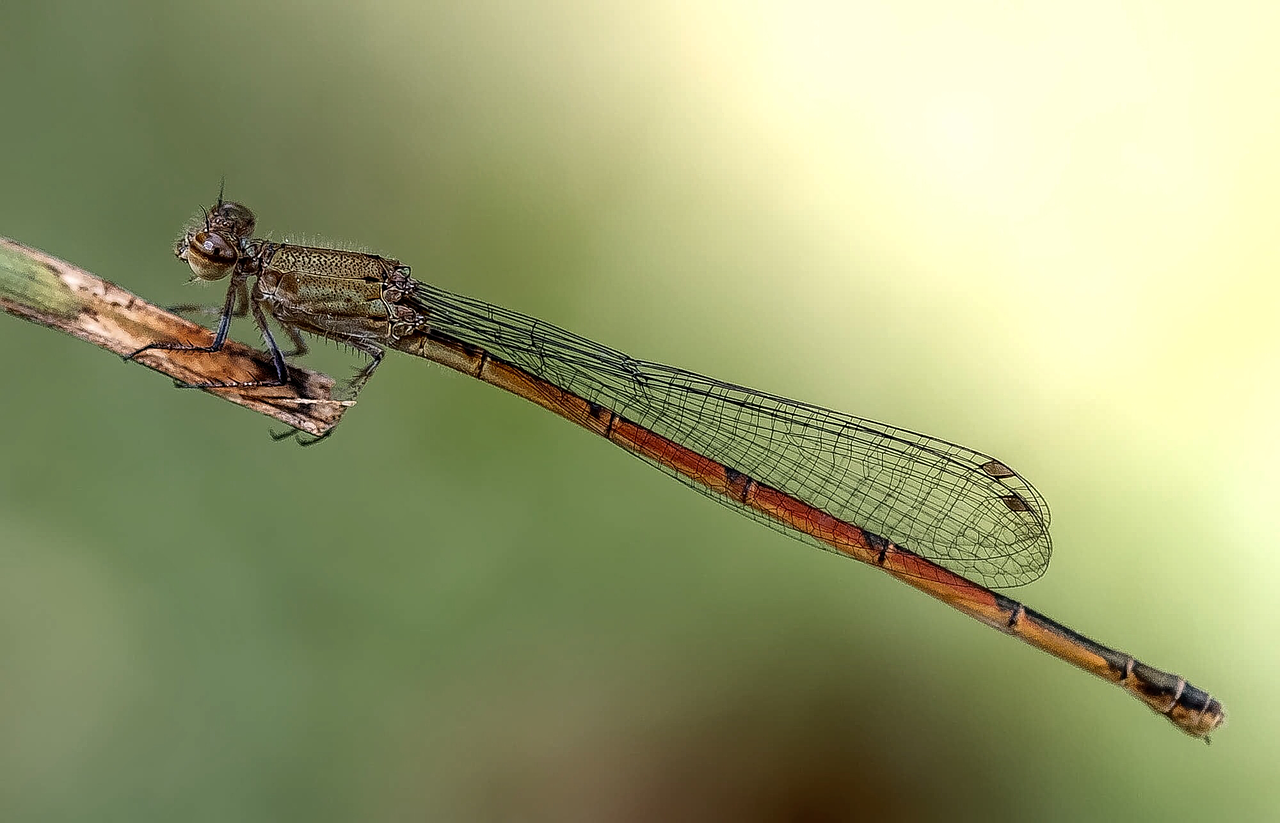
(1046, 234)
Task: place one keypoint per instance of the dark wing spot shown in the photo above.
(998, 470)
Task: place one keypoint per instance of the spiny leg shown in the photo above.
(220, 339)
(353, 387)
(277, 361)
(220, 336)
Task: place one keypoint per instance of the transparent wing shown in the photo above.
(960, 508)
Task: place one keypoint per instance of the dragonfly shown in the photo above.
(949, 521)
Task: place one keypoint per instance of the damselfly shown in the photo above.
(942, 518)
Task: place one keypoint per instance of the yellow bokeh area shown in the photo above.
(1043, 230)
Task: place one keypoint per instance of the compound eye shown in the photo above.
(210, 255)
